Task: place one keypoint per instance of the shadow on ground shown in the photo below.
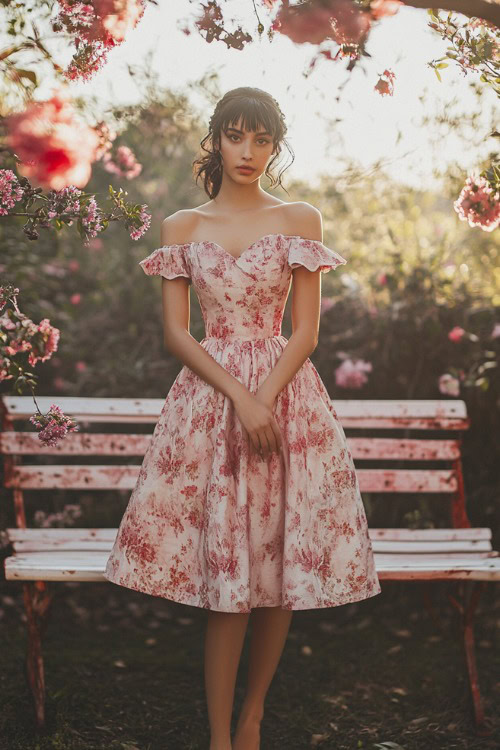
(125, 671)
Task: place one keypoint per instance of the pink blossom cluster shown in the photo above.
(449, 385)
(91, 220)
(385, 84)
(53, 426)
(123, 164)
(19, 334)
(10, 190)
(456, 333)
(351, 373)
(340, 20)
(145, 222)
(97, 27)
(65, 201)
(478, 204)
(55, 149)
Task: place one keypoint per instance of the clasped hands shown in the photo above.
(255, 412)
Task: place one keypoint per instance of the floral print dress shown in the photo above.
(211, 523)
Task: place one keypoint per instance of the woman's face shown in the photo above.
(250, 148)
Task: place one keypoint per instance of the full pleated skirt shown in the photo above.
(212, 524)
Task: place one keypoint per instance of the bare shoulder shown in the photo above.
(306, 220)
(177, 228)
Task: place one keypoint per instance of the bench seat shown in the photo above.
(416, 554)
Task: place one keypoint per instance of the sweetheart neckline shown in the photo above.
(250, 247)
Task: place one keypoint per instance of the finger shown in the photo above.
(256, 442)
(266, 444)
(277, 435)
(271, 439)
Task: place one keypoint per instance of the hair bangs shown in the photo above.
(255, 116)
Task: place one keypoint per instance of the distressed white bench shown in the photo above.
(38, 556)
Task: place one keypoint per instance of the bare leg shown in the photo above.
(224, 639)
(270, 627)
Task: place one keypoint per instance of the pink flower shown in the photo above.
(456, 333)
(75, 299)
(382, 279)
(326, 304)
(55, 149)
(478, 204)
(124, 163)
(351, 374)
(379, 8)
(119, 17)
(95, 244)
(385, 84)
(74, 265)
(140, 224)
(10, 191)
(449, 385)
(53, 426)
(97, 28)
(339, 20)
(496, 331)
(80, 366)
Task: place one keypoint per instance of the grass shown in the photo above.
(125, 671)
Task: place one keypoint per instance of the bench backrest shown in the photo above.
(111, 428)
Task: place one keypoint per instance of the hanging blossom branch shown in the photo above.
(67, 206)
(23, 343)
(475, 46)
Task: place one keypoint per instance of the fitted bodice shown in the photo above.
(242, 297)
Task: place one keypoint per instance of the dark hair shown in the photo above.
(257, 108)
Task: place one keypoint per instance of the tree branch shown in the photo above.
(490, 11)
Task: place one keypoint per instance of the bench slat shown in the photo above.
(96, 409)
(75, 444)
(397, 534)
(89, 566)
(105, 444)
(102, 477)
(469, 540)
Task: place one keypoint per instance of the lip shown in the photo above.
(248, 170)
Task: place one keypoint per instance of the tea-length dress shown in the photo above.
(211, 523)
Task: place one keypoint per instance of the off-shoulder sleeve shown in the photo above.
(168, 261)
(313, 255)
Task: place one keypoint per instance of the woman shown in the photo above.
(247, 499)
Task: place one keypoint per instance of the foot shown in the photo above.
(247, 736)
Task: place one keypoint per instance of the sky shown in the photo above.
(332, 114)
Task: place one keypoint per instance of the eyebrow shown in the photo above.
(261, 132)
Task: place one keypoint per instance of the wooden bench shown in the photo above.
(424, 464)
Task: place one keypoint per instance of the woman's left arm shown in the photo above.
(306, 301)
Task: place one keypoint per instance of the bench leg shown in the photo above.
(427, 591)
(37, 599)
(466, 608)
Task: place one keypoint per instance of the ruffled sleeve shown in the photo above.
(313, 255)
(168, 261)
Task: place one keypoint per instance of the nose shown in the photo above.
(247, 150)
